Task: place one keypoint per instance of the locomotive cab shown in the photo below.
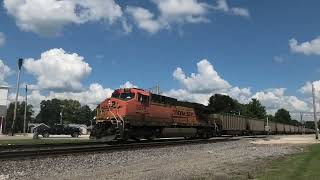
(115, 112)
(133, 113)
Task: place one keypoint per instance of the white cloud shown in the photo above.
(204, 81)
(144, 19)
(5, 71)
(58, 70)
(178, 12)
(307, 88)
(278, 59)
(2, 39)
(307, 48)
(49, 17)
(171, 12)
(275, 99)
(92, 96)
(128, 84)
(182, 11)
(185, 95)
(240, 12)
(222, 5)
(201, 85)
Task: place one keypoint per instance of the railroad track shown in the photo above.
(54, 150)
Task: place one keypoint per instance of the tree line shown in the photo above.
(220, 103)
(50, 113)
(73, 112)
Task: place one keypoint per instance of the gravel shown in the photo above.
(221, 160)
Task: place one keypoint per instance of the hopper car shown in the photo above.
(132, 113)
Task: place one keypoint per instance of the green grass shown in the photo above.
(295, 167)
(39, 141)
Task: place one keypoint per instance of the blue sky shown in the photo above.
(248, 48)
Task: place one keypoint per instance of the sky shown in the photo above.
(85, 49)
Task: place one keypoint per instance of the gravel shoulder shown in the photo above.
(223, 160)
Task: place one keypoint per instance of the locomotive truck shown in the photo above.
(133, 113)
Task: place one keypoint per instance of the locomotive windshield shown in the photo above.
(123, 96)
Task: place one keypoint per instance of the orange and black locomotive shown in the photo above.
(133, 113)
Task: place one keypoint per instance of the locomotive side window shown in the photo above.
(143, 99)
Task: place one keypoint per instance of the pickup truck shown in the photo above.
(58, 129)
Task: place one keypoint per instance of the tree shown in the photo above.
(254, 109)
(223, 104)
(49, 112)
(73, 112)
(270, 117)
(283, 116)
(20, 116)
(85, 115)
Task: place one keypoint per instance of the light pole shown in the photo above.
(315, 112)
(25, 110)
(61, 113)
(20, 61)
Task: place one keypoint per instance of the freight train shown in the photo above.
(133, 113)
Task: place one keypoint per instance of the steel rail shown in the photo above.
(89, 148)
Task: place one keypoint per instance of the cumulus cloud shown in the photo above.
(2, 39)
(308, 48)
(203, 84)
(58, 70)
(198, 87)
(222, 5)
(92, 96)
(49, 17)
(275, 99)
(5, 71)
(144, 19)
(307, 88)
(178, 12)
(171, 12)
(128, 84)
(183, 11)
(204, 81)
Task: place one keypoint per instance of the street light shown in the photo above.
(61, 113)
(315, 111)
(25, 110)
(20, 62)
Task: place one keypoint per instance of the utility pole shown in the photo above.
(315, 112)
(25, 111)
(301, 121)
(157, 89)
(61, 114)
(20, 61)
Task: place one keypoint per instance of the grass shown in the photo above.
(295, 167)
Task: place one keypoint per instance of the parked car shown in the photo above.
(58, 129)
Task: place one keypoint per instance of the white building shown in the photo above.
(3, 105)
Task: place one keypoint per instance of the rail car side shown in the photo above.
(135, 113)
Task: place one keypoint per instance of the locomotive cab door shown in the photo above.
(143, 106)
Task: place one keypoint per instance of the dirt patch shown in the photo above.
(293, 139)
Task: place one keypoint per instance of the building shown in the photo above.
(3, 106)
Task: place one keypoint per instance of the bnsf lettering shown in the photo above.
(182, 113)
